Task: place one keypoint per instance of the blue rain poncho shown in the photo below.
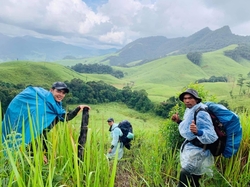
(31, 111)
(231, 123)
(196, 160)
(115, 134)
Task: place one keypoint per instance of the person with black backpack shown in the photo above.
(195, 160)
(116, 133)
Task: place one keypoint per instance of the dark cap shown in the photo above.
(191, 92)
(60, 86)
(110, 119)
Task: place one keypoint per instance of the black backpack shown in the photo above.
(126, 128)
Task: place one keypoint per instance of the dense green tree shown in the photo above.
(242, 51)
(118, 74)
(248, 86)
(8, 92)
(97, 68)
(213, 79)
(165, 107)
(240, 82)
(195, 57)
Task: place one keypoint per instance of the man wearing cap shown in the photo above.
(37, 108)
(115, 144)
(195, 161)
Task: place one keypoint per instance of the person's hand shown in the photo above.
(175, 118)
(193, 128)
(110, 150)
(83, 106)
(45, 159)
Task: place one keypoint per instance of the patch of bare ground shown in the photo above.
(124, 175)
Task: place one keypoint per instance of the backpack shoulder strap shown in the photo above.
(118, 128)
(110, 129)
(198, 110)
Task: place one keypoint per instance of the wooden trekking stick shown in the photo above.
(83, 132)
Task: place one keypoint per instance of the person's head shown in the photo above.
(190, 98)
(110, 121)
(59, 90)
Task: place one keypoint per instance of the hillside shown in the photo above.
(147, 49)
(35, 73)
(161, 78)
(45, 73)
(166, 76)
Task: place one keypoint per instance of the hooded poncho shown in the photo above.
(194, 159)
(31, 111)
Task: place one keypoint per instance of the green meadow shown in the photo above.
(150, 163)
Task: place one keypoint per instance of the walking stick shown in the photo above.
(83, 132)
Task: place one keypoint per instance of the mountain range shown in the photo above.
(147, 49)
(38, 49)
(140, 51)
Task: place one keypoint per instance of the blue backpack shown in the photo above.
(228, 128)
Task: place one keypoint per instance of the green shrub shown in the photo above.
(170, 130)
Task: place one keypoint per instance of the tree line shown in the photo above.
(242, 51)
(97, 68)
(95, 92)
(213, 79)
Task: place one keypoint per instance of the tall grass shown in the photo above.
(149, 163)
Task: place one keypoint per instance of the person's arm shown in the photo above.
(115, 139)
(176, 118)
(72, 114)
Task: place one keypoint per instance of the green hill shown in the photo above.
(164, 77)
(45, 73)
(35, 73)
(161, 78)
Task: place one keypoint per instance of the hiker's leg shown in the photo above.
(195, 180)
(184, 179)
(44, 144)
(44, 138)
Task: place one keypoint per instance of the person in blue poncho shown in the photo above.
(34, 112)
(195, 160)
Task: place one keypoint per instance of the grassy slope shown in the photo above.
(35, 73)
(92, 60)
(215, 63)
(167, 76)
(161, 78)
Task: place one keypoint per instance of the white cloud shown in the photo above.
(118, 22)
(113, 37)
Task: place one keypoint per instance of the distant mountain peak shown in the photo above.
(225, 29)
(147, 49)
(202, 32)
